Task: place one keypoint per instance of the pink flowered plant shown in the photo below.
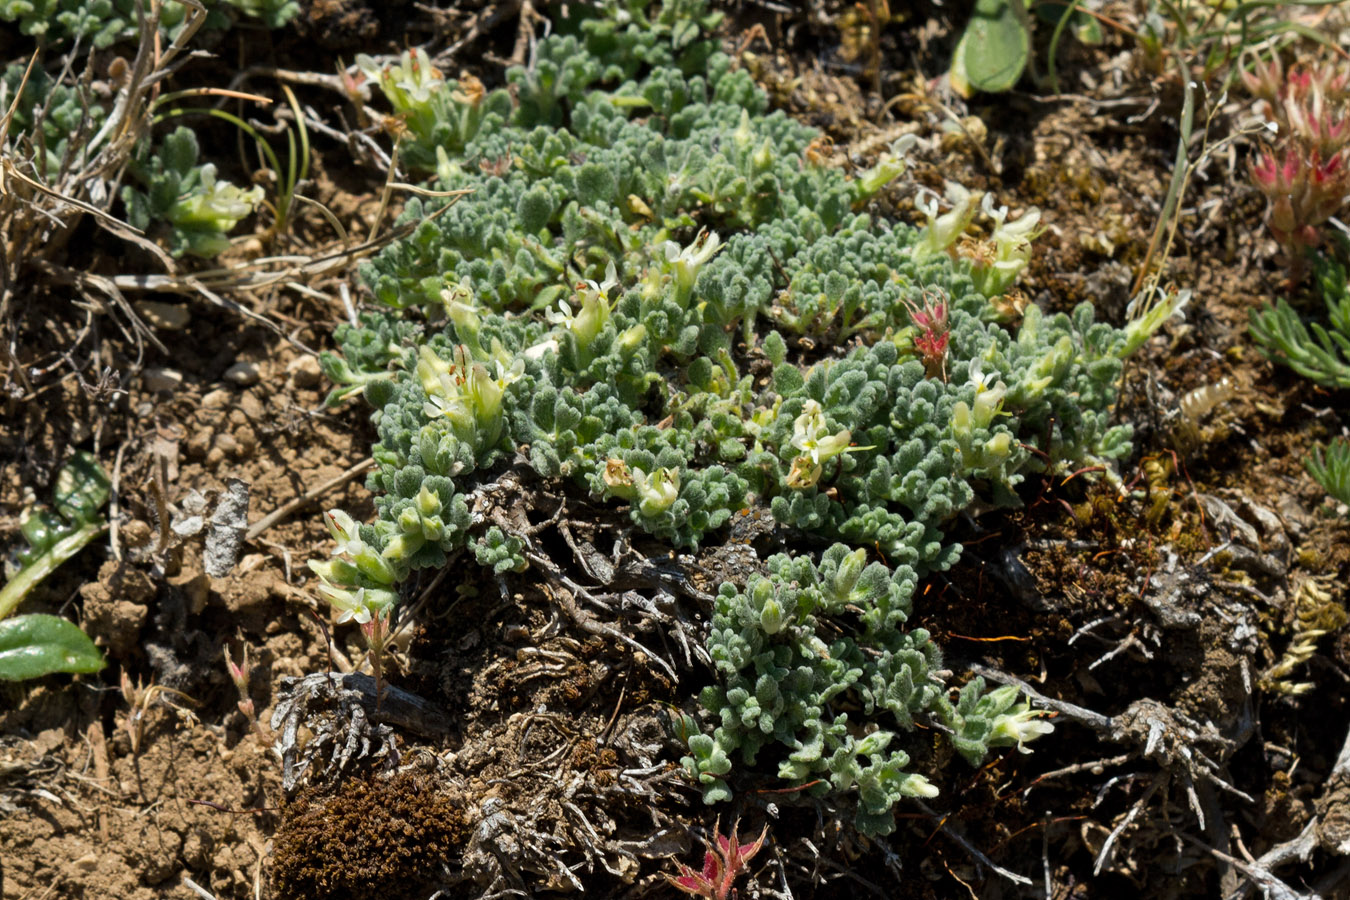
(1306, 174)
(722, 865)
(933, 330)
(1304, 191)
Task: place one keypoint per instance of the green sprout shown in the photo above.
(1313, 350)
(1330, 467)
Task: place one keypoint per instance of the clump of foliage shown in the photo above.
(35, 645)
(1313, 350)
(1316, 351)
(1330, 466)
(723, 863)
(102, 23)
(272, 13)
(643, 233)
(786, 679)
(55, 117)
(198, 208)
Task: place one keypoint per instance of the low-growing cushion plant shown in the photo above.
(629, 302)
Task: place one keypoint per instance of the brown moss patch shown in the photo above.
(366, 838)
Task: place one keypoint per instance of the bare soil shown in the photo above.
(535, 752)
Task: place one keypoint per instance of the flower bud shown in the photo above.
(763, 157)
(428, 502)
(987, 403)
(742, 136)
(403, 546)
(374, 566)
(336, 571)
(914, 785)
(850, 570)
(771, 618)
(632, 339)
(1019, 727)
(656, 493)
(341, 526)
(999, 446)
(875, 743)
(962, 422)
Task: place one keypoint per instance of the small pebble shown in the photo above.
(199, 443)
(156, 380)
(80, 431)
(305, 372)
(251, 407)
(248, 440)
(169, 316)
(216, 399)
(86, 863)
(243, 373)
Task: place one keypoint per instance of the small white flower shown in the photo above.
(927, 203)
(656, 492)
(611, 280)
(507, 376)
(978, 379)
(563, 315)
(1021, 727)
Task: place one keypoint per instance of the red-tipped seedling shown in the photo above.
(722, 865)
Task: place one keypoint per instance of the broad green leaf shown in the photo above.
(35, 645)
(994, 50)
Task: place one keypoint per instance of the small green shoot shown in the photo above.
(273, 13)
(289, 177)
(1315, 351)
(1330, 467)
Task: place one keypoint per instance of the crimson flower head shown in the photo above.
(933, 331)
(1304, 191)
(1265, 80)
(1306, 175)
(722, 865)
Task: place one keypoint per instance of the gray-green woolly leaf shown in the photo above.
(534, 209)
(787, 379)
(775, 348)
